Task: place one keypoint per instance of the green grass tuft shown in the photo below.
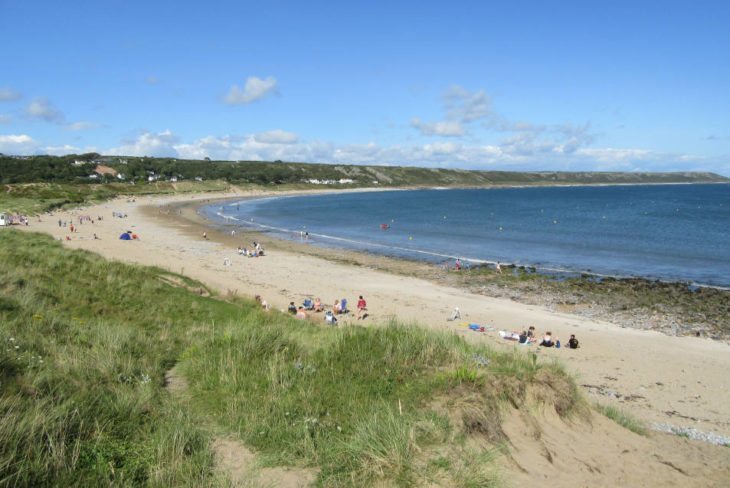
(622, 418)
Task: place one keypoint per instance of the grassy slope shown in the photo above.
(86, 343)
(33, 198)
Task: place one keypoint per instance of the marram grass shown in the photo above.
(85, 344)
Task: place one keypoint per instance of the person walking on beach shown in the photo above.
(205, 235)
(498, 268)
(362, 310)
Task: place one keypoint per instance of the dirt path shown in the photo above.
(238, 463)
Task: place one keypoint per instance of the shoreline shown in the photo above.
(549, 292)
(545, 271)
(657, 377)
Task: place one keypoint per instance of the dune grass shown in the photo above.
(622, 418)
(85, 344)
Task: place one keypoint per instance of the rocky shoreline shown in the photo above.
(675, 309)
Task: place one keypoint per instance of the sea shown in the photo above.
(664, 232)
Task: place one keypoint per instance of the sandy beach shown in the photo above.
(681, 381)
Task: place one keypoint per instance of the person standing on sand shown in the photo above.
(362, 310)
(205, 235)
(498, 268)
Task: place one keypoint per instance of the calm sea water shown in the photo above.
(672, 232)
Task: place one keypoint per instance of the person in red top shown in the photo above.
(361, 308)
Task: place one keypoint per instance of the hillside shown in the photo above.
(95, 168)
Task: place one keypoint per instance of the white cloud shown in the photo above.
(9, 95)
(461, 107)
(522, 151)
(17, 144)
(148, 144)
(42, 108)
(444, 128)
(255, 89)
(276, 137)
(77, 126)
(466, 106)
(5, 119)
(64, 149)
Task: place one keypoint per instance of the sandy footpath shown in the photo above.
(682, 381)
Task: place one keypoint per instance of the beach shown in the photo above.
(660, 379)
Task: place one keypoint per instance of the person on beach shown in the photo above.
(456, 314)
(498, 268)
(336, 308)
(457, 265)
(573, 342)
(292, 308)
(264, 304)
(317, 305)
(509, 336)
(547, 340)
(301, 314)
(205, 235)
(531, 333)
(362, 310)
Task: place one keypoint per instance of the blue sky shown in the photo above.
(519, 85)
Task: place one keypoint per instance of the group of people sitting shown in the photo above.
(255, 252)
(338, 308)
(528, 337)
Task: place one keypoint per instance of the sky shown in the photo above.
(519, 85)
